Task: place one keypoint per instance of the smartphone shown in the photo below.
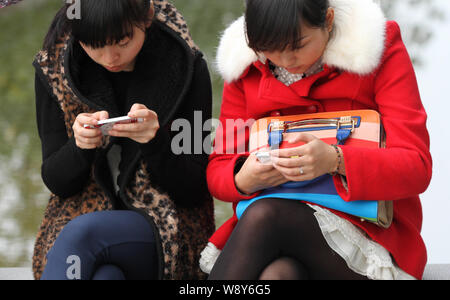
(263, 157)
(106, 125)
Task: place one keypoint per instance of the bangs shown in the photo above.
(274, 26)
(107, 22)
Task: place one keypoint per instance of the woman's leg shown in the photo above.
(271, 229)
(123, 239)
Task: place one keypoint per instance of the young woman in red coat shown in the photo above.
(289, 57)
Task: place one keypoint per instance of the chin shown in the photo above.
(299, 70)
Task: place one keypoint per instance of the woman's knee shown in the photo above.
(84, 227)
(92, 232)
(81, 231)
(284, 268)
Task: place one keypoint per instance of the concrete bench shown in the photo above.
(432, 272)
(16, 274)
(437, 272)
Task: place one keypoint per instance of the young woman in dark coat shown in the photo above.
(124, 205)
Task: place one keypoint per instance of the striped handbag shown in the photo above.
(357, 128)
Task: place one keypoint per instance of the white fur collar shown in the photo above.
(357, 44)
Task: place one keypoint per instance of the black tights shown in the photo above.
(279, 239)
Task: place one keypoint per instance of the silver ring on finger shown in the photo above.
(302, 172)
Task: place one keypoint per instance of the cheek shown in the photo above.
(131, 52)
(311, 54)
(95, 55)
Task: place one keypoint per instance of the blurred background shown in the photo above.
(426, 30)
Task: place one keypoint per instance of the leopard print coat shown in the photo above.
(182, 232)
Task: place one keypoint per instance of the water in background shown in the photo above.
(22, 28)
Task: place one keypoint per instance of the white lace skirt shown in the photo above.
(362, 254)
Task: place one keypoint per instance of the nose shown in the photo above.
(110, 56)
(287, 60)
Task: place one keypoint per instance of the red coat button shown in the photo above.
(312, 109)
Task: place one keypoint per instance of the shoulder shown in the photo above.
(201, 77)
(395, 52)
(234, 57)
(160, 32)
(393, 34)
(48, 65)
(200, 64)
(167, 14)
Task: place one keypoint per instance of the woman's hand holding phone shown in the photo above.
(141, 132)
(255, 176)
(87, 138)
(315, 158)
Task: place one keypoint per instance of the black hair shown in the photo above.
(275, 25)
(100, 22)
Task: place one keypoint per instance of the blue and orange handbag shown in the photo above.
(358, 128)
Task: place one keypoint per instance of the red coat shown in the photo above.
(400, 172)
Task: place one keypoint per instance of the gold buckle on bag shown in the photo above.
(344, 121)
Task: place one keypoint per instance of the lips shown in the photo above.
(114, 68)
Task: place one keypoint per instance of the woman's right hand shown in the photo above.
(87, 138)
(255, 176)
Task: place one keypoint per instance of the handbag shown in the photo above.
(357, 128)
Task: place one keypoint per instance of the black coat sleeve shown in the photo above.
(65, 168)
(183, 175)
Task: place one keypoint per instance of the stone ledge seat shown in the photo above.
(432, 272)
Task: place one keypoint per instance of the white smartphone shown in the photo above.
(263, 157)
(106, 125)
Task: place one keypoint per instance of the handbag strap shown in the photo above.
(275, 137)
(342, 135)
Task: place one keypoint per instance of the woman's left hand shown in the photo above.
(306, 162)
(140, 132)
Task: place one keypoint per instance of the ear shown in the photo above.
(151, 15)
(330, 19)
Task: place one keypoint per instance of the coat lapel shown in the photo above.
(163, 74)
(297, 94)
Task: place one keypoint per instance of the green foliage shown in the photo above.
(206, 20)
(23, 194)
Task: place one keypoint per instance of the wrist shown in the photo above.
(240, 185)
(337, 162)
